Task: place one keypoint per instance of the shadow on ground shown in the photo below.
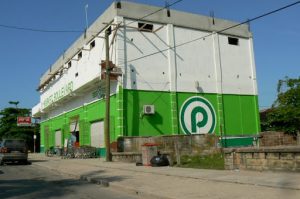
(36, 188)
(38, 160)
(42, 187)
(17, 163)
(102, 175)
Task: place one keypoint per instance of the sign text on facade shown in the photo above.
(57, 95)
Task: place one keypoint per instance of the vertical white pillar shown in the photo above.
(172, 78)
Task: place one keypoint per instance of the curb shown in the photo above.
(104, 183)
(210, 179)
(94, 180)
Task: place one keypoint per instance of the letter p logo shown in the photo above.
(197, 116)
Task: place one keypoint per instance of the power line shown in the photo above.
(40, 30)
(220, 31)
(152, 13)
(79, 31)
(64, 31)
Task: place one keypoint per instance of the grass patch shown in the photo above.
(215, 161)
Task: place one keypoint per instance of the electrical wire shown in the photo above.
(152, 13)
(220, 31)
(80, 31)
(40, 30)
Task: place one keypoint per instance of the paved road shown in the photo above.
(32, 181)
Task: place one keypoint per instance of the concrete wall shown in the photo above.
(79, 72)
(271, 138)
(185, 144)
(129, 149)
(182, 68)
(264, 158)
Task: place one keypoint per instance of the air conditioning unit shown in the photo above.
(149, 109)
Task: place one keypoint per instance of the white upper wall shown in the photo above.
(149, 73)
(194, 61)
(198, 63)
(135, 11)
(81, 72)
(90, 96)
(209, 65)
(238, 76)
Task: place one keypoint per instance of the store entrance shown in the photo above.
(75, 133)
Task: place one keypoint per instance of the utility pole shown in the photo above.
(107, 96)
(34, 134)
(34, 137)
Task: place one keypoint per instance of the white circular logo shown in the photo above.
(197, 116)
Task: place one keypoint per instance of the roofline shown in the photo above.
(135, 11)
(97, 26)
(182, 19)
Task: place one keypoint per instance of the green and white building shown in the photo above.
(179, 74)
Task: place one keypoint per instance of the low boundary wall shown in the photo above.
(183, 144)
(272, 138)
(263, 158)
(129, 149)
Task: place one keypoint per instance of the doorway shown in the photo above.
(75, 133)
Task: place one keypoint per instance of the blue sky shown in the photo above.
(26, 55)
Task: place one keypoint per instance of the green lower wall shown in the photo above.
(238, 141)
(86, 115)
(239, 113)
(147, 125)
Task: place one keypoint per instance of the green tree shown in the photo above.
(9, 128)
(285, 112)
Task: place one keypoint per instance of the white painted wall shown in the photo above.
(237, 67)
(198, 66)
(149, 73)
(77, 101)
(195, 61)
(87, 68)
(190, 67)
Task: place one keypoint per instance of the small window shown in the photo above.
(108, 30)
(145, 27)
(76, 74)
(118, 5)
(79, 55)
(92, 44)
(233, 41)
(168, 13)
(69, 64)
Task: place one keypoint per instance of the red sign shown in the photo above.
(24, 121)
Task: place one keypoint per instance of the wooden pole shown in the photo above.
(107, 101)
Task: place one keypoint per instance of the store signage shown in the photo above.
(58, 94)
(24, 121)
(197, 116)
